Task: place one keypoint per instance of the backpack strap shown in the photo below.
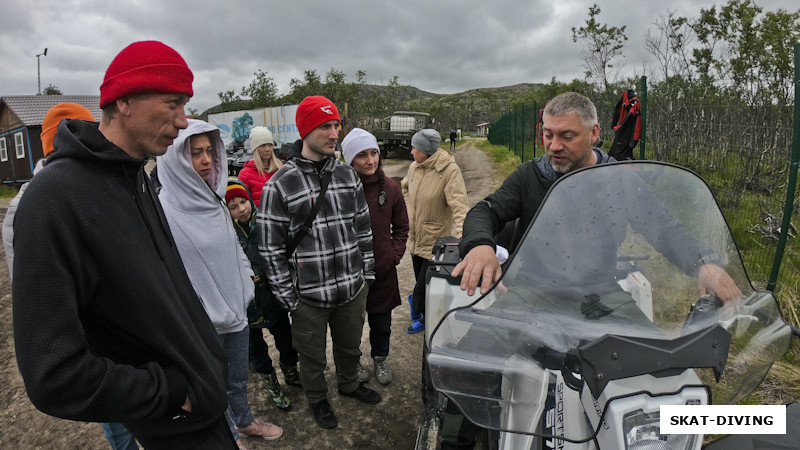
(306, 228)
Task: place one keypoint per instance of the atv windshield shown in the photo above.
(614, 251)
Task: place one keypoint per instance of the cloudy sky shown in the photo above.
(440, 46)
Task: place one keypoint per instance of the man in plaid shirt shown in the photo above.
(324, 282)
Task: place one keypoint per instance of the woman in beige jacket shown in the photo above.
(436, 198)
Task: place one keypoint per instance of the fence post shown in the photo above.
(514, 129)
(790, 188)
(643, 112)
(535, 124)
(522, 117)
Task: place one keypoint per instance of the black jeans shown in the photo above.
(259, 349)
(380, 329)
(420, 270)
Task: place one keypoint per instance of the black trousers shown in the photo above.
(380, 329)
(259, 349)
(420, 269)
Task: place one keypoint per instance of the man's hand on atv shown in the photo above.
(480, 262)
(713, 279)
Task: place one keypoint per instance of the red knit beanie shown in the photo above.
(236, 190)
(54, 115)
(145, 67)
(312, 112)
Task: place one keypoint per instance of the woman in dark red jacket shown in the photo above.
(264, 164)
(389, 222)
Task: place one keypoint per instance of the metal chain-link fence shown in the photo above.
(743, 152)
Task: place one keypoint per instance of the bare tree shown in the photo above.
(671, 45)
(603, 45)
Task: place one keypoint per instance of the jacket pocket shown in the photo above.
(429, 233)
(432, 228)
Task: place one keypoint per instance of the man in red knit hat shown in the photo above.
(107, 326)
(320, 273)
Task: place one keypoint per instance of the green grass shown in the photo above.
(505, 160)
(7, 191)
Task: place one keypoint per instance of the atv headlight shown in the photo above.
(642, 432)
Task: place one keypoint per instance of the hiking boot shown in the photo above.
(382, 372)
(363, 374)
(281, 400)
(363, 394)
(291, 375)
(261, 429)
(323, 414)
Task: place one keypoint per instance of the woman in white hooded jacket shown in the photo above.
(193, 182)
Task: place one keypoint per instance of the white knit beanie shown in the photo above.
(260, 136)
(356, 141)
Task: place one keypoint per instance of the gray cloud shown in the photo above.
(443, 46)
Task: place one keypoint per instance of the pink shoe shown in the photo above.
(240, 445)
(261, 429)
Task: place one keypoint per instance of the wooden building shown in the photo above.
(20, 128)
(483, 128)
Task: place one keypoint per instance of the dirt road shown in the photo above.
(391, 424)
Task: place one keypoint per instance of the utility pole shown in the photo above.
(39, 72)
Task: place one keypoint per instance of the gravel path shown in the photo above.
(392, 424)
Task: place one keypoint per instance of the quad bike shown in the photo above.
(597, 320)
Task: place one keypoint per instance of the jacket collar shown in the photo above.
(307, 166)
(547, 170)
(438, 161)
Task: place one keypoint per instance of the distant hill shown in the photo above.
(462, 110)
(469, 108)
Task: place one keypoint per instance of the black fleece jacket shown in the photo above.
(107, 326)
(518, 197)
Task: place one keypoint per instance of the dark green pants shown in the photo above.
(310, 335)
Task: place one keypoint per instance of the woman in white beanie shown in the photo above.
(437, 205)
(389, 223)
(264, 164)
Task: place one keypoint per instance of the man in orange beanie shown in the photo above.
(49, 124)
(65, 110)
(332, 258)
(127, 338)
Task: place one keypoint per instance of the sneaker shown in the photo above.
(240, 445)
(291, 375)
(382, 372)
(261, 429)
(415, 327)
(363, 374)
(281, 400)
(363, 394)
(323, 414)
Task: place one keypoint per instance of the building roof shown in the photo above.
(483, 124)
(31, 108)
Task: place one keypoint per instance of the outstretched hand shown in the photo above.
(713, 279)
(480, 263)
